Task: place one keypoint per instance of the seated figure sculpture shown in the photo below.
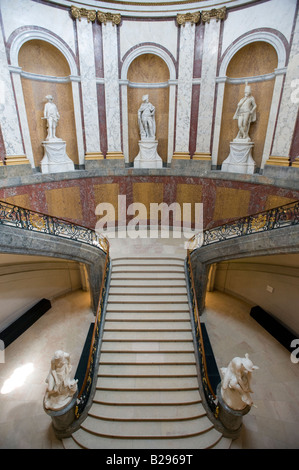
(61, 388)
(235, 385)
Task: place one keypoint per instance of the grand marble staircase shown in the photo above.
(147, 391)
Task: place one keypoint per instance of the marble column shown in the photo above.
(207, 89)
(89, 89)
(9, 119)
(288, 108)
(184, 91)
(112, 91)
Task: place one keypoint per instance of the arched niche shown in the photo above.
(148, 74)
(256, 62)
(46, 71)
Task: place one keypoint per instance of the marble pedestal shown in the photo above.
(231, 420)
(240, 159)
(148, 156)
(55, 158)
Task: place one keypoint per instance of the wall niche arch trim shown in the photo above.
(17, 39)
(167, 58)
(279, 44)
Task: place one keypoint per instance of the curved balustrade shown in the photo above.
(84, 393)
(272, 219)
(32, 221)
(27, 219)
(208, 390)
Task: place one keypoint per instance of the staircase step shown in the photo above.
(146, 325)
(147, 383)
(87, 440)
(138, 283)
(148, 306)
(153, 397)
(147, 412)
(153, 291)
(147, 429)
(151, 298)
(148, 316)
(149, 346)
(153, 335)
(144, 358)
(149, 370)
(149, 268)
(147, 261)
(154, 275)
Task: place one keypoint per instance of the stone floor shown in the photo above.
(273, 424)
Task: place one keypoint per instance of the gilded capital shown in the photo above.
(79, 13)
(216, 13)
(183, 18)
(115, 18)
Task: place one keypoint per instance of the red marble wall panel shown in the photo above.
(216, 195)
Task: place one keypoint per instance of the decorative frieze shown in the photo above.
(79, 13)
(115, 18)
(183, 18)
(216, 13)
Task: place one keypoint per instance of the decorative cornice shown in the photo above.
(183, 18)
(79, 13)
(215, 13)
(115, 18)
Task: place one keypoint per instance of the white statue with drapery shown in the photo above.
(240, 158)
(148, 156)
(236, 383)
(55, 158)
(61, 388)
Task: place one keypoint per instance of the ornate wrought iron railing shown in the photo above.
(278, 217)
(85, 390)
(26, 219)
(207, 387)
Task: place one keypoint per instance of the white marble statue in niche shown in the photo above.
(235, 385)
(55, 158)
(148, 156)
(240, 158)
(146, 119)
(52, 116)
(245, 114)
(61, 388)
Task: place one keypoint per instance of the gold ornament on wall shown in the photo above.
(79, 13)
(183, 18)
(216, 13)
(115, 18)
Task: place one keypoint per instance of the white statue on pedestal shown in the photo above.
(240, 159)
(146, 119)
(55, 158)
(61, 388)
(148, 156)
(52, 116)
(235, 385)
(245, 114)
